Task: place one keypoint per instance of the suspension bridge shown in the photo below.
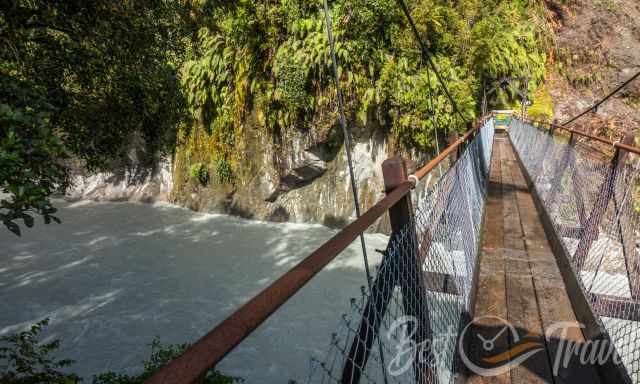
(523, 230)
(514, 257)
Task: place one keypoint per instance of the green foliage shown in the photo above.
(507, 41)
(609, 5)
(160, 356)
(24, 359)
(31, 157)
(273, 58)
(411, 104)
(583, 67)
(291, 81)
(223, 171)
(542, 107)
(87, 76)
(199, 171)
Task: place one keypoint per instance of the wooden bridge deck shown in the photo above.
(519, 281)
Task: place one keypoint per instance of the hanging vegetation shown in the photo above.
(272, 58)
(87, 77)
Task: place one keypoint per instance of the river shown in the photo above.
(113, 276)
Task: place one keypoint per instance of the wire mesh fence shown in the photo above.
(593, 200)
(406, 328)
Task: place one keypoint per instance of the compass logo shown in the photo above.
(501, 348)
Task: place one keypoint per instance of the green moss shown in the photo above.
(199, 171)
(542, 107)
(223, 171)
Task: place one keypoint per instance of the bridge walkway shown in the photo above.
(520, 282)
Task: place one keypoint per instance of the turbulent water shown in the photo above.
(113, 276)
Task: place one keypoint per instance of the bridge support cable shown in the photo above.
(347, 148)
(434, 119)
(594, 107)
(425, 52)
(598, 253)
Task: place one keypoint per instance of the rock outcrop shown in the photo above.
(129, 184)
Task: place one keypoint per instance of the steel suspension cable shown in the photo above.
(427, 55)
(595, 106)
(347, 148)
(433, 117)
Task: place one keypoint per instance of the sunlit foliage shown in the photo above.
(273, 56)
(83, 79)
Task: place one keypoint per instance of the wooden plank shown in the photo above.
(493, 233)
(550, 292)
(513, 238)
(491, 292)
(523, 310)
(491, 301)
(523, 314)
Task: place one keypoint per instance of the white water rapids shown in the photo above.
(113, 276)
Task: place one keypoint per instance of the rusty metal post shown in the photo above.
(411, 278)
(591, 229)
(552, 127)
(632, 263)
(413, 290)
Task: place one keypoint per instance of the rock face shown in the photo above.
(131, 184)
(300, 176)
(328, 199)
(598, 48)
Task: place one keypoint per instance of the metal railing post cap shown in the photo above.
(414, 180)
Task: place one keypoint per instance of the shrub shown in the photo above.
(199, 171)
(542, 107)
(25, 360)
(160, 356)
(223, 171)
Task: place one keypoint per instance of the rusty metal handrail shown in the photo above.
(616, 145)
(204, 354)
(422, 172)
(215, 345)
(627, 148)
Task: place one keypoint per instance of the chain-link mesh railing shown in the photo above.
(593, 201)
(408, 331)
